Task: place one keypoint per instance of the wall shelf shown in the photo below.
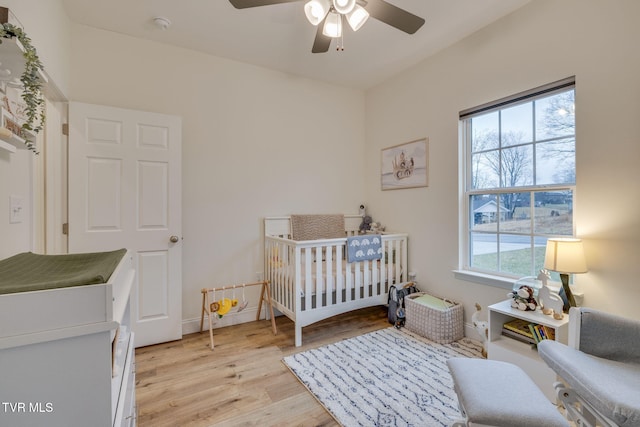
(7, 147)
(12, 61)
(10, 141)
(8, 134)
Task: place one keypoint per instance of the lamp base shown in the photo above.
(570, 300)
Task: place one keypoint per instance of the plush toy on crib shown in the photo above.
(523, 299)
(366, 224)
(376, 227)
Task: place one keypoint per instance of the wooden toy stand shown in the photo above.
(206, 305)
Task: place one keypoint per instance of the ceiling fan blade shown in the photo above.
(244, 4)
(394, 16)
(321, 43)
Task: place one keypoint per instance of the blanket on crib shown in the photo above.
(314, 227)
(33, 272)
(364, 248)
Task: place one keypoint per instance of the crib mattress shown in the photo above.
(27, 271)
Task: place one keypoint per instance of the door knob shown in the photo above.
(174, 239)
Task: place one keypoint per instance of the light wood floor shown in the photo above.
(243, 382)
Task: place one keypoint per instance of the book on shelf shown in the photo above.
(518, 326)
(549, 332)
(528, 332)
(518, 337)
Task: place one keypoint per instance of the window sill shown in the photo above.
(484, 279)
(507, 283)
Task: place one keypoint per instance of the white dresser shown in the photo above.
(67, 355)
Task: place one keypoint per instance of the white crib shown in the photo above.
(311, 280)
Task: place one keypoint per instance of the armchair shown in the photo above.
(600, 368)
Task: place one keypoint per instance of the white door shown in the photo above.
(125, 192)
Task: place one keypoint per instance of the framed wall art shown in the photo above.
(405, 165)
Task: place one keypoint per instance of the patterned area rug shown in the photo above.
(388, 377)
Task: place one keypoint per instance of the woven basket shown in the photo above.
(441, 325)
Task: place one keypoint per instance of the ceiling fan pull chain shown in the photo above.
(340, 41)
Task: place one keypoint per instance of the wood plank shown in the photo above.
(243, 382)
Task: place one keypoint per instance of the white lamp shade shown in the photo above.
(357, 17)
(333, 25)
(565, 256)
(316, 10)
(344, 6)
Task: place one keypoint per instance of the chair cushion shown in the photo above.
(501, 394)
(611, 387)
(596, 337)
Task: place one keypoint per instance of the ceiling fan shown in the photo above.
(328, 16)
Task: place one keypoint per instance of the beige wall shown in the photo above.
(255, 143)
(236, 114)
(545, 41)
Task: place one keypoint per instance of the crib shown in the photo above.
(311, 280)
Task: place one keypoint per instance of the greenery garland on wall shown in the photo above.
(31, 82)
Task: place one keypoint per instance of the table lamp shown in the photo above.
(565, 256)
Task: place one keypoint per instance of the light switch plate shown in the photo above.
(16, 209)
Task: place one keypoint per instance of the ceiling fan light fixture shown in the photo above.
(357, 17)
(316, 10)
(333, 25)
(344, 6)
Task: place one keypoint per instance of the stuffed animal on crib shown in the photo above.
(365, 225)
(523, 299)
(376, 227)
(482, 327)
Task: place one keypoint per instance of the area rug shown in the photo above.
(389, 377)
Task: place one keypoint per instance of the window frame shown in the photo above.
(466, 270)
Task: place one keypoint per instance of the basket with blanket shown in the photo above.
(437, 319)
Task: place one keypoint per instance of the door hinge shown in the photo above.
(65, 228)
(65, 129)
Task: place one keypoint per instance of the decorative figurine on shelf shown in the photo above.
(523, 299)
(550, 301)
(482, 327)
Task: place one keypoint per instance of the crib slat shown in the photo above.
(307, 279)
(348, 281)
(329, 275)
(339, 274)
(384, 261)
(357, 283)
(318, 282)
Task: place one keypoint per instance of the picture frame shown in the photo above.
(405, 165)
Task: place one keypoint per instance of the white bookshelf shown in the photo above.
(524, 355)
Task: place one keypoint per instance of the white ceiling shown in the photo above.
(279, 36)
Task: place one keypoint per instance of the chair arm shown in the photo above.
(608, 336)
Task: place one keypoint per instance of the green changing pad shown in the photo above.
(33, 272)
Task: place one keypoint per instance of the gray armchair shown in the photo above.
(600, 368)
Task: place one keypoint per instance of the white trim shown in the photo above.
(484, 279)
(55, 154)
(191, 326)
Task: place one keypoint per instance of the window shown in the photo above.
(519, 177)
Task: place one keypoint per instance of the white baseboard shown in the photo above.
(190, 326)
